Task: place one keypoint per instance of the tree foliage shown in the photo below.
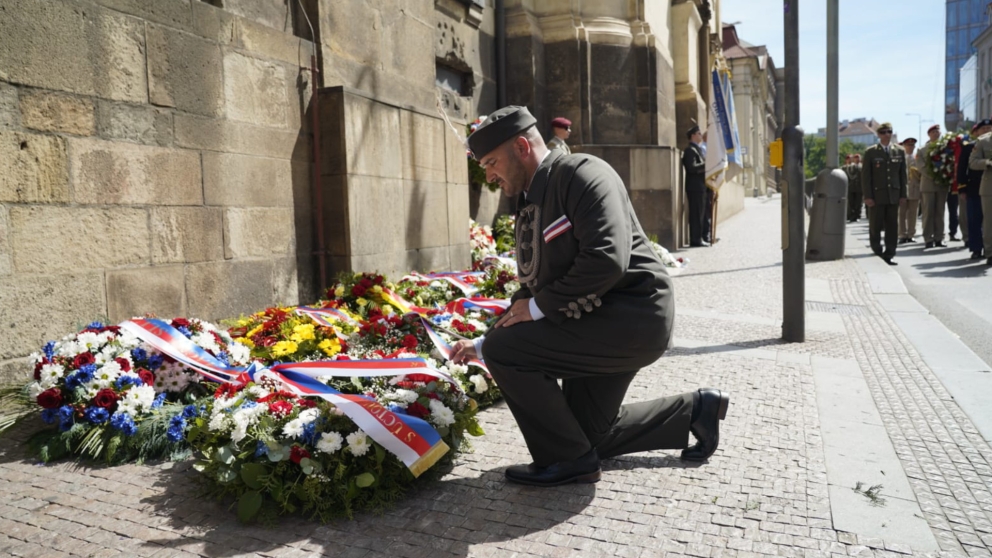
(815, 148)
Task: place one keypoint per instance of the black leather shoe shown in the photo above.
(929, 245)
(700, 244)
(889, 261)
(713, 405)
(952, 237)
(911, 240)
(939, 245)
(582, 470)
(976, 256)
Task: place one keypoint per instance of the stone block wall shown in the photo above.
(156, 159)
(395, 187)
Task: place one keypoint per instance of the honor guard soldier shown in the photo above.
(562, 129)
(909, 212)
(883, 180)
(933, 196)
(694, 164)
(595, 305)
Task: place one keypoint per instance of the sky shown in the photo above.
(891, 58)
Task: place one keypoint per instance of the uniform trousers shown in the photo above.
(596, 357)
(987, 225)
(697, 215)
(952, 215)
(907, 218)
(975, 216)
(934, 204)
(708, 217)
(883, 217)
(963, 218)
(853, 205)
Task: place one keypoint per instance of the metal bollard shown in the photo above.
(827, 218)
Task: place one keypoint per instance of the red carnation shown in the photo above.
(417, 410)
(125, 364)
(226, 390)
(82, 359)
(281, 408)
(410, 341)
(297, 454)
(425, 378)
(50, 398)
(378, 279)
(107, 399)
(180, 322)
(306, 403)
(146, 376)
(358, 290)
(366, 282)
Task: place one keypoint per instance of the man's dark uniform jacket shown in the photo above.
(695, 168)
(608, 306)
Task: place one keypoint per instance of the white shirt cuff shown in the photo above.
(477, 343)
(535, 312)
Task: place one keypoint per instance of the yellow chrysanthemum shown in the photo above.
(304, 331)
(377, 289)
(242, 322)
(330, 347)
(283, 348)
(246, 342)
(339, 292)
(254, 330)
(361, 301)
(387, 309)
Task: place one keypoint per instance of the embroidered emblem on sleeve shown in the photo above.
(556, 229)
(586, 303)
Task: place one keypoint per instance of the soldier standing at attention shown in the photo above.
(981, 160)
(968, 190)
(853, 171)
(934, 197)
(908, 212)
(694, 163)
(595, 305)
(883, 180)
(561, 128)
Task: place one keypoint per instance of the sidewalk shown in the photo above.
(856, 403)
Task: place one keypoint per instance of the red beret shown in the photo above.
(934, 127)
(561, 123)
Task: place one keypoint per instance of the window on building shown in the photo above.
(456, 81)
(952, 15)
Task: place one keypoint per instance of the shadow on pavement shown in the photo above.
(777, 264)
(446, 516)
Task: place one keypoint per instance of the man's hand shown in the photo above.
(869, 202)
(463, 350)
(902, 201)
(519, 312)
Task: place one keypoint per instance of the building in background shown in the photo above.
(859, 130)
(758, 115)
(983, 72)
(966, 19)
(968, 93)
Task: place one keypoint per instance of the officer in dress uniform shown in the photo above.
(883, 180)
(981, 160)
(933, 197)
(595, 306)
(969, 187)
(694, 164)
(908, 213)
(561, 128)
(852, 168)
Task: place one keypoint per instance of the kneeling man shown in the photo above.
(594, 307)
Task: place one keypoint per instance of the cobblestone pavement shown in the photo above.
(763, 494)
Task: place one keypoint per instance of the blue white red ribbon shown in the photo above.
(444, 348)
(326, 316)
(491, 305)
(412, 440)
(557, 228)
(462, 280)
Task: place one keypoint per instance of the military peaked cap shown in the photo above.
(884, 126)
(907, 140)
(691, 131)
(499, 127)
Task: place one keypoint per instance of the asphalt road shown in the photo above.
(956, 290)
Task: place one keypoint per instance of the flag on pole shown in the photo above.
(723, 154)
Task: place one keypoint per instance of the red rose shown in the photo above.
(297, 454)
(82, 359)
(410, 341)
(180, 322)
(366, 282)
(107, 399)
(146, 376)
(378, 279)
(417, 410)
(125, 365)
(281, 408)
(50, 398)
(226, 390)
(306, 403)
(433, 395)
(358, 290)
(37, 369)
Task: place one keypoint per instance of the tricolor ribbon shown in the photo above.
(491, 305)
(462, 280)
(412, 440)
(444, 348)
(503, 260)
(401, 303)
(326, 316)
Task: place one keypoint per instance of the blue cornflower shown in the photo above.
(95, 325)
(124, 423)
(155, 362)
(224, 357)
(185, 331)
(261, 449)
(159, 399)
(86, 372)
(177, 428)
(49, 350)
(190, 411)
(310, 433)
(248, 404)
(138, 354)
(97, 415)
(50, 416)
(123, 382)
(72, 381)
(66, 417)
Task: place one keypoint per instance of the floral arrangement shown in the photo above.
(503, 235)
(940, 163)
(477, 174)
(358, 293)
(278, 453)
(110, 396)
(282, 334)
(482, 243)
(425, 292)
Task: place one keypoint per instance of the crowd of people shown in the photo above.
(898, 190)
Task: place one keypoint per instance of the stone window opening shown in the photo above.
(455, 80)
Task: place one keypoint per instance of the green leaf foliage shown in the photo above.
(248, 505)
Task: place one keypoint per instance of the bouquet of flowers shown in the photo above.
(280, 334)
(425, 292)
(358, 294)
(278, 453)
(940, 163)
(110, 396)
(500, 280)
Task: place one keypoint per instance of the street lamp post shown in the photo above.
(793, 210)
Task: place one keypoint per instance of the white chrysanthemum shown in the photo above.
(207, 341)
(139, 398)
(358, 443)
(329, 442)
(240, 430)
(222, 403)
(239, 354)
(127, 340)
(441, 415)
(91, 389)
(90, 340)
(218, 421)
(403, 396)
(307, 416)
(69, 348)
(52, 372)
(257, 391)
(457, 369)
(172, 378)
(479, 383)
(244, 418)
(106, 374)
(35, 389)
(511, 287)
(293, 429)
